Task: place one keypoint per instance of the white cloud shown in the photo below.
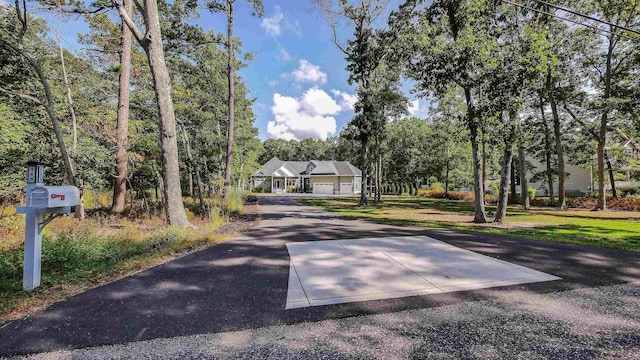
(348, 100)
(293, 27)
(317, 102)
(282, 53)
(306, 117)
(272, 24)
(414, 107)
(309, 72)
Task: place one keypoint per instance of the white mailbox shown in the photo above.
(53, 196)
(41, 200)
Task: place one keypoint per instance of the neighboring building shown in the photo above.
(318, 177)
(583, 180)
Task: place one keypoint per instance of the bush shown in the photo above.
(540, 202)
(494, 189)
(291, 189)
(532, 194)
(436, 186)
(629, 191)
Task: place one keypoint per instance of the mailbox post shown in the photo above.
(53, 200)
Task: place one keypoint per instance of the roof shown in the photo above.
(277, 167)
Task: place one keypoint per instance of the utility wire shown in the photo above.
(587, 16)
(569, 20)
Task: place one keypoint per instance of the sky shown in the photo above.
(298, 75)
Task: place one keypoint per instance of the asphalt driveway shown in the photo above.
(241, 285)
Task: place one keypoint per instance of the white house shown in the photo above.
(314, 176)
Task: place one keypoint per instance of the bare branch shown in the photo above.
(127, 20)
(22, 96)
(139, 6)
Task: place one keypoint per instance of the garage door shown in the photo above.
(323, 188)
(346, 188)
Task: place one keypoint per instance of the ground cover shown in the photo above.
(613, 229)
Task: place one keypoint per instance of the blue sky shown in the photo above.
(298, 75)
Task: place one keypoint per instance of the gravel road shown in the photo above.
(599, 322)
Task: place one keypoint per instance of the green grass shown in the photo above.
(619, 230)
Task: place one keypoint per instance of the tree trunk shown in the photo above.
(122, 141)
(74, 123)
(446, 178)
(172, 195)
(612, 179)
(49, 106)
(364, 140)
(484, 163)
(547, 153)
(562, 201)
(512, 191)
(602, 136)
(230, 58)
(479, 213)
(524, 183)
(505, 175)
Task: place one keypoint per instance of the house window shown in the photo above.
(292, 182)
(356, 186)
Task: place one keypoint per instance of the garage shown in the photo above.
(323, 188)
(346, 188)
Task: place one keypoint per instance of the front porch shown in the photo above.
(278, 184)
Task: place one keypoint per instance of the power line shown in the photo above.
(569, 20)
(587, 16)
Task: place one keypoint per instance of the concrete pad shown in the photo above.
(339, 271)
(295, 293)
(316, 249)
(355, 275)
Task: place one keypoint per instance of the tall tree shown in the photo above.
(611, 71)
(16, 45)
(151, 42)
(364, 53)
(446, 45)
(122, 128)
(227, 7)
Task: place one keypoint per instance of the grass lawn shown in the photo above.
(615, 229)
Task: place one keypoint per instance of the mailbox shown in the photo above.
(41, 200)
(53, 196)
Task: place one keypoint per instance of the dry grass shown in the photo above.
(80, 255)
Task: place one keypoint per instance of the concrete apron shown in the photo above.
(342, 271)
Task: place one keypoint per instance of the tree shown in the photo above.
(14, 46)
(227, 7)
(446, 45)
(151, 42)
(122, 159)
(610, 72)
(364, 53)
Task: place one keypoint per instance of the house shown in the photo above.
(583, 179)
(314, 176)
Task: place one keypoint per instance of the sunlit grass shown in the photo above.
(619, 229)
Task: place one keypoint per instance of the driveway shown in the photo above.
(239, 287)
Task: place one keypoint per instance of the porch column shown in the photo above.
(272, 184)
(285, 185)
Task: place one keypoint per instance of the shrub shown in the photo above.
(629, 191)
(494, 189)
(457, 195)
(540, 202)
(291, 189)
(436, 186)
(532, 194)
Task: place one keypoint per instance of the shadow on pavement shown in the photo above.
(242, 284)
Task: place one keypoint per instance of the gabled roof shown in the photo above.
(277, 167)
